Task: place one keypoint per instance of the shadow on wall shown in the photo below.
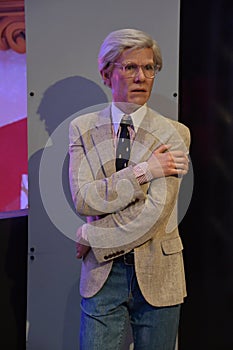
(67, 97)
(53, 270)
(62, 100)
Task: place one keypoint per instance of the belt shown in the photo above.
(127, 259)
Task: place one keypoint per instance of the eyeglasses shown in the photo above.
(131, 69)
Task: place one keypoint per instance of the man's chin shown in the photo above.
(127, 107)
(137, 100)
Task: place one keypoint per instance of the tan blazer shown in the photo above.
(122, 215)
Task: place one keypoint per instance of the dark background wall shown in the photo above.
(13, 288)
(206, 106)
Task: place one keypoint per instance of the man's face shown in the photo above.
(135, 89)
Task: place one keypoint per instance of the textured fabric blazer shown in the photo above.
(123, 215)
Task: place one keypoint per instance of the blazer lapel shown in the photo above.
(145, 141)
(103, 141)
(154, 131)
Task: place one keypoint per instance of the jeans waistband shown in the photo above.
(127, 259)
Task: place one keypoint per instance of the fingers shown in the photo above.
(181, 166)
(179, 157)
(81, 250)
(79, 255)
(178, 154)
(164, 162)
(78, 251)
(175, 153)
(180, 162)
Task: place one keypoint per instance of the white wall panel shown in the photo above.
(63, 39)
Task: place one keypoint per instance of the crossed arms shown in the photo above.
(122, 212)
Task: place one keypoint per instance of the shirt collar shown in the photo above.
(136, 116)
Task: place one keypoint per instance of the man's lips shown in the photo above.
(138, 90)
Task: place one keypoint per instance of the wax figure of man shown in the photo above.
(132, 266)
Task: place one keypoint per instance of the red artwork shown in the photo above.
(13, 164)
(13, 111)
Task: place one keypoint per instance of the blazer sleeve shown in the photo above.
(93, 193)
(144, 219)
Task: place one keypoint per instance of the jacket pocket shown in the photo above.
(172, 246)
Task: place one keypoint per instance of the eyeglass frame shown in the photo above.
(142, 66)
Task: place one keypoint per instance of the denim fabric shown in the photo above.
(105, 316)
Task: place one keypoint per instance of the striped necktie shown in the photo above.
(123, 146)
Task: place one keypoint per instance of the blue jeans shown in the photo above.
(105, 316)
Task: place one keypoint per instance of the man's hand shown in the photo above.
(164, 162)
(82, 246)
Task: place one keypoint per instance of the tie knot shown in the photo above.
(126, 120)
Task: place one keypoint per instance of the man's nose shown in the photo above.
(140, 76)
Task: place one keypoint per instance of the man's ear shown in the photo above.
(106, 76)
